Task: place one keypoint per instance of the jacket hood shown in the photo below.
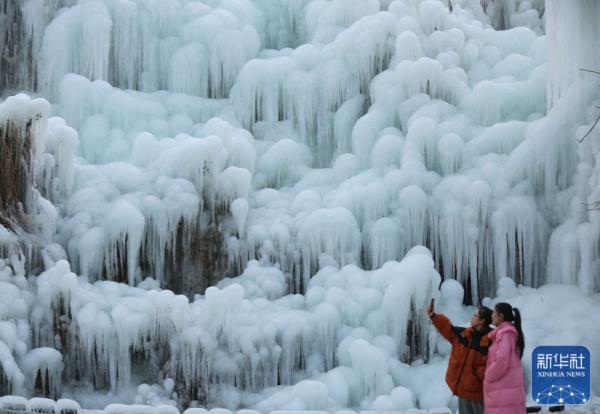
(505, 328)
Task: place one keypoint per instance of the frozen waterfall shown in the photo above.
(249, 203)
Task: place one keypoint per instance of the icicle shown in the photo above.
(188, 71)
(387, 151)
(519, 232)
(71, 46)
(572, 36)
(408, 47)
(450, 149)
(423, 135)
(44, 365)
(432, 15)
(385, 242)
(233, 183)
(371, 365)
(413, 214)
(330, 231)
(327, 320)
(258, 90)
(124, 230)
(11, 370)
(365, 133)
(563, 255)
(284, 163)
(58, 175)
(411, 288)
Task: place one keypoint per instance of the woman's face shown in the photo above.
(475, 320)
(497, 318)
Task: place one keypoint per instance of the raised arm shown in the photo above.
(444, 326)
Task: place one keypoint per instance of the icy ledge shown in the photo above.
(245, 344)
(19, 405)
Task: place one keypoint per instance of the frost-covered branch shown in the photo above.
(593, 206)
(591, 129)
(591, 71)
(598, 117)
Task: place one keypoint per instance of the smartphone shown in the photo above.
(432, 302)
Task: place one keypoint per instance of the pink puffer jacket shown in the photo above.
(503, 385)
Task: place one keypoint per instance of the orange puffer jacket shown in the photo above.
(466, 367)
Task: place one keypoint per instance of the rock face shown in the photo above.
(16, 179)
(22, 129)
(17, 63)
(22, 136)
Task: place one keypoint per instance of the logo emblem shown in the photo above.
(560, 375)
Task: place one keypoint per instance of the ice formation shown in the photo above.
(249, 203)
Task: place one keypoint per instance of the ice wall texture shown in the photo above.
(305, 147)
(246, 343)
(241, 338)
(572, 31)
(506, 14)
(572, 38)
(345, 102)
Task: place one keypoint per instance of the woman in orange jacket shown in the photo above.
(466, 367)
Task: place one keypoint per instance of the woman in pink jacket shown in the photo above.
(503, 385)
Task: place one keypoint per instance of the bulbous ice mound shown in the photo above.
(260, 198)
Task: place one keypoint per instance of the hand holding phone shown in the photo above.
(431, 307)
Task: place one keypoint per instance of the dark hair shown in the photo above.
(485, 313)
(513, 315)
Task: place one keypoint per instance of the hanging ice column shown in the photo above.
(573, 43)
